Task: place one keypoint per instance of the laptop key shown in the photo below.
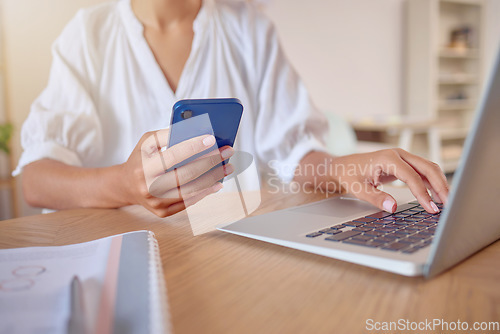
(355, 224)
(414, 240)
(426, 243)
(374, 233)
(332, 231)
(342, 236)
(403, 232)
(314, 235)
(364, 220)
(401, 222)
(362, 229)
(406, 241)
(415, 228)
(361, 243)
(362, 237)
(379, 215)
(385, 230)
(411, 219)
(410, 250)
(396, 246)
(385, 239)
(392, 236)
(338, 227)
(392, 227)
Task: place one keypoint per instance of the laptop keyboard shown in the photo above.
(407, 230)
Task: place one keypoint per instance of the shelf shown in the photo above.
(465, 2)
(444, 61)
(456, 105)
(450, 134)
(459, 54)
(450, 166)
(458, 81)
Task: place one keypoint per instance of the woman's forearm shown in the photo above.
(52, 184)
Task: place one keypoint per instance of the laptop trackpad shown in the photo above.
(337, 207)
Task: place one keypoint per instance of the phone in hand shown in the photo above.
(192, 118)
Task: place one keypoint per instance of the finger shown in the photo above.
(213, 152)
(196, 168)
(403, 171)
(434, 194)
(185, 174)
(369, 193)
(155, 166)
(205, 181)
(431, 171)
(179, 206)
(186, 149)
(155, 161)
(154, 141)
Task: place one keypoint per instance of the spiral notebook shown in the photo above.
(122, 285)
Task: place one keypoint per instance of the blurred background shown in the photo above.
(405, 73)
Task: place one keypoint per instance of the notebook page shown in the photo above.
(35, 285)
(122, 278)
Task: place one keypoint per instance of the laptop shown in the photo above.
(409, 242)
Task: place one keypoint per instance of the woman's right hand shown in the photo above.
(148, 183)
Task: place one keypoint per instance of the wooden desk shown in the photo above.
(223, 283)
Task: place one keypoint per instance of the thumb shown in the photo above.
(378, 198)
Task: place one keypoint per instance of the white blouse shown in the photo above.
(106, 89)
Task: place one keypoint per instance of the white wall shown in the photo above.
(30, 27)
(349, 52)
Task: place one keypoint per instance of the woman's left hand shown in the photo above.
(361, 174)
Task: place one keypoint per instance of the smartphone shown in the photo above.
(192, 118)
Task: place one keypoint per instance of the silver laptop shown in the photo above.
(409, 242)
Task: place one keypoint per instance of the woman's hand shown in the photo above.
(166, 193)
(361, 174)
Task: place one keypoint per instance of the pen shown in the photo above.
(76, 321)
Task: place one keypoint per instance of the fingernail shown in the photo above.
(228, 152)
(434, 207)
(218, 186)
(389, 205)
(228, 169)
(209, 141)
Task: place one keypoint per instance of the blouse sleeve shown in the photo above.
(63, 123)
(288, 125)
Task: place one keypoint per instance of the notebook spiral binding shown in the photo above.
(159, 315)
